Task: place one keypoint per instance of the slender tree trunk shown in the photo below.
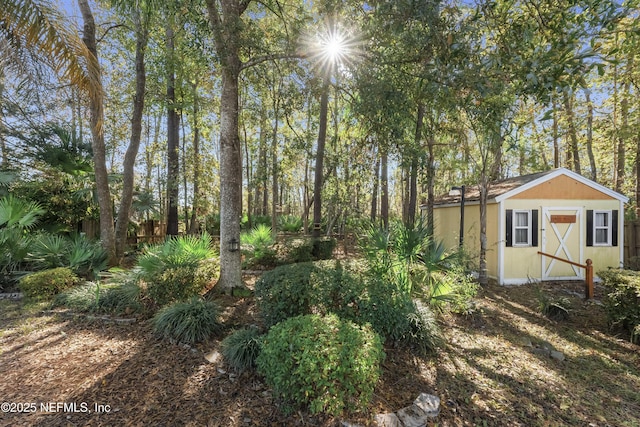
(96, 108)
(128, 175)
(431, 178)
(624, 132)
(275, 170)
(173, 139)
(573, 135)
(589, 142)
(637, 128)
(384, 188)
(556, 143)
(3, 146)
(262, 168)
(197, 197)
(318, 180)
(224, 17)
(413, 177)
(374, 195)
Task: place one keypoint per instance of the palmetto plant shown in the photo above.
(406, 256)
(17, 218)
(183, 251)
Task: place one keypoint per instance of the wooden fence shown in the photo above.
(632, 244)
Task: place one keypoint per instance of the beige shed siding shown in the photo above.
(447, 229)
(523, 263)
(562, 188)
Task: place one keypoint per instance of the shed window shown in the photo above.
(602, 228)
(522, 228)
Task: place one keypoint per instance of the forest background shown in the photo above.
(219, 114)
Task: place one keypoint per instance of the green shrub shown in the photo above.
(259, 236)
(48, 282)
(400, 319)
(180, 283)
(290, 223)
(323, 248)
(326, 363)
(83, 298)
(107, 298)
(241, 348)
(178, 269)
(187, 322)
(306, 288)
(297, 249)
(622, 300)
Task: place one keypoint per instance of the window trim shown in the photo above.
(528, 227)
(608, 227)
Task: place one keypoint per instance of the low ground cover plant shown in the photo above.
(323, 362)
(110, 298)
(188, 322)
(242, 348)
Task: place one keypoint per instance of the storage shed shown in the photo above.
(557, 212)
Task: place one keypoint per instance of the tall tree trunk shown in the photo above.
(624, 132)
(124, 210)
(431, 179)
(197, 197)
(3, 146)
(384, 188)
(592, 159)
(573, 135)
(96, 109)
(275, 170)
(226, 27)
(637, 128)
(318, 178)
(374, 193)
(173, 139)
(556, 143)
(413, 177)
(262, 164)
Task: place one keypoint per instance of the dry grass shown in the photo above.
(486, 375)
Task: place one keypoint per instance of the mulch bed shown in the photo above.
(483, 375)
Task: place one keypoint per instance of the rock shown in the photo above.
(125, 321)
(429, 404)
(558, 355)
(213, 357)
(388, 420)
(412, 416)
(540, 351)
(526, 342)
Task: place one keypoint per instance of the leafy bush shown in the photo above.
(188, 322)
(241, 348)
(306, 288)
(553, 308)
(180, 283)
(178, 269)
(622, 300)
(260, 237)
(257, 246)
(295, 250)
(119, 298)
(400, 319)
(48, 282)
(326, 363)
(290, 223)
(323, 248)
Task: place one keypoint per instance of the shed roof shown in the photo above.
(503, 189)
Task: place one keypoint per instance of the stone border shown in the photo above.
(425, 407)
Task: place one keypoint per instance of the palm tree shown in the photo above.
(30, 26)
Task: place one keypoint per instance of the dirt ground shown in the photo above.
(61, 370)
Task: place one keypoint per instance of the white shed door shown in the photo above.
(562, 237)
